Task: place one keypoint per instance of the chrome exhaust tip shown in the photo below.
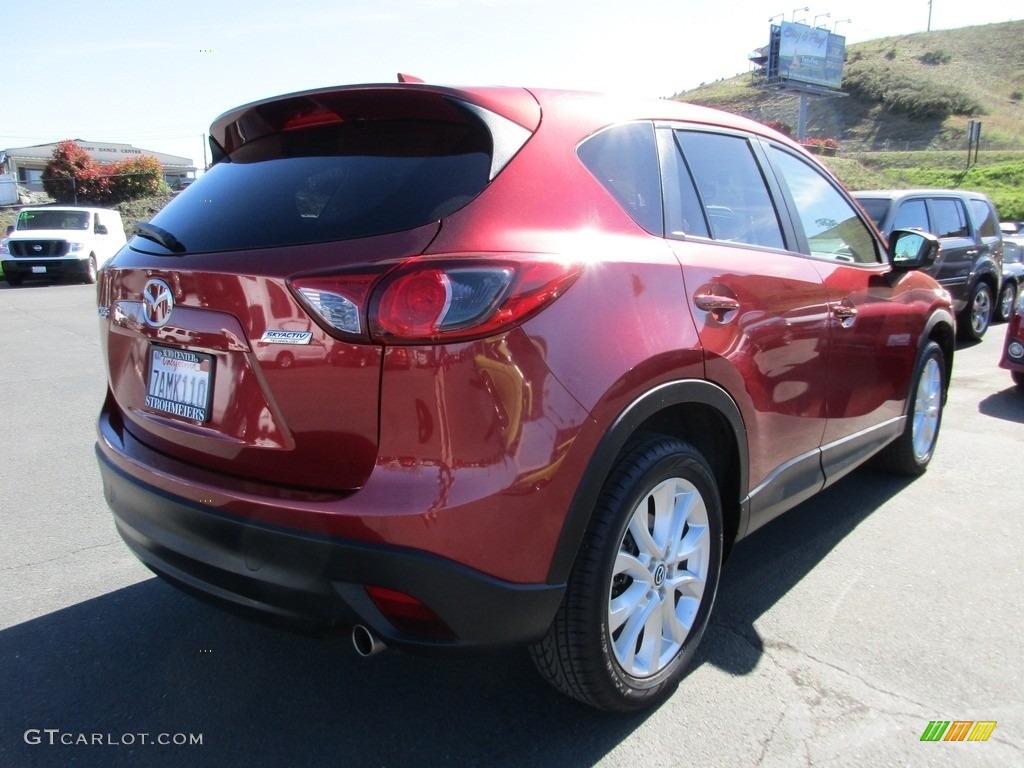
(366, 642)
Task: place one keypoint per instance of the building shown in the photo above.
(27, 164)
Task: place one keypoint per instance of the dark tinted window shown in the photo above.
(731, 187)
(345, 180)
(830, 223)
(625, 160)
(984, 218)
(913, 214)
(876, 208)
(950, 218)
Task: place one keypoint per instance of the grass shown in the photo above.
(910, 92)
(1000, 175)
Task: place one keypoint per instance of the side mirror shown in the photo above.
(101, 229)
(912, 249)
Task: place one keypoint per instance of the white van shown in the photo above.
(55, 241)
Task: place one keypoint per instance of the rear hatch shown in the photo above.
(217, 355)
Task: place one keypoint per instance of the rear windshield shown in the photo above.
(348, 179)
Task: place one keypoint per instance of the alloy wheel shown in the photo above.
(981, 311)
(927, 408)
(659, 578)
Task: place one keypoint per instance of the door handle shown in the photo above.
(709, 302)
(845, 314)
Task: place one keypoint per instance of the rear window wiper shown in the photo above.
(158, 235)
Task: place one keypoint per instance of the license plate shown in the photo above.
(180, 382)
(38, 270)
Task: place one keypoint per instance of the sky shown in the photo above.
(156, 75)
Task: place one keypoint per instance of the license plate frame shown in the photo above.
(180, 382)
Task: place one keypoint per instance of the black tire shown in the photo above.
(14, 280)
(1007, 298)
(1018, 379)
(89, 277)
(582, 654)
(977, 315)
(912, 451)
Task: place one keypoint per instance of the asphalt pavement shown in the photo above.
(841, 630)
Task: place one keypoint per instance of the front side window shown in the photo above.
(731, 188)
(830, 222)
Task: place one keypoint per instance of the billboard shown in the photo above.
(802, 54)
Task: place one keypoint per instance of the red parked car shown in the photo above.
(1013, 347)
(560, 352)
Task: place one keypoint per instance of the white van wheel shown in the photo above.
(90, 269)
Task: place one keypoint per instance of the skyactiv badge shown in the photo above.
(271, 336)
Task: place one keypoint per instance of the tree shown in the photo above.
(72, 176)
(137, 177)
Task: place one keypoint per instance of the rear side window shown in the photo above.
(950, 218)
(984, 218)
(731, 188)
(876, 208)
(913, 214)
(347, 179)
(624, 159)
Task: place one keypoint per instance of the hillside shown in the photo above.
(912, 92)
(909, 92)
(903, 122)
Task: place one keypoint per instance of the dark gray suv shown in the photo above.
(970, 261)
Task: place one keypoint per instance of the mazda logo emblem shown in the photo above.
(157, 303)
(659, 574)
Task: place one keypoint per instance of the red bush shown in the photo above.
(73, 176)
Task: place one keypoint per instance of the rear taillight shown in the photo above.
(453, 300)
(436, 300)
(338, 301)
(427, 302)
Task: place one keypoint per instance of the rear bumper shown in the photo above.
(311, 581)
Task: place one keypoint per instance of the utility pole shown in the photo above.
(929, 15)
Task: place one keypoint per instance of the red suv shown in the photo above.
(549, 355)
